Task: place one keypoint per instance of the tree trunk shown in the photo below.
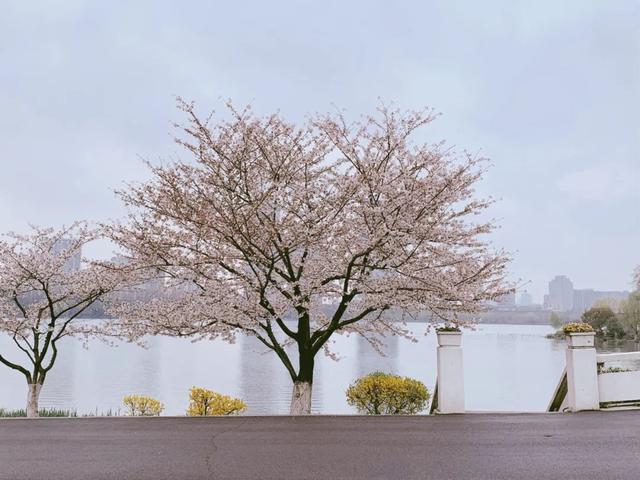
(32, 399)
(301, 398)
(302, 383)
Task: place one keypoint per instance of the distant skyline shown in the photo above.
(548, 91)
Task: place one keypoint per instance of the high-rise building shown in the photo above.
(585, 299)
(62, 246)
(560, 297)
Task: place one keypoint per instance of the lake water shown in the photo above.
(507, 368)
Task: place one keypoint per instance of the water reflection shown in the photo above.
(368, 359)
(61, 380)
(263, 378)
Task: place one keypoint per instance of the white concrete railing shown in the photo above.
(585, 385)
(618, 388)
(449, 391)
(618, 357)
(582, 373)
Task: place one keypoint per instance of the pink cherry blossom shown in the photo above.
(293, 234)
(43, 294)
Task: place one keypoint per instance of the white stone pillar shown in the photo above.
(450, 373)
(582, 373)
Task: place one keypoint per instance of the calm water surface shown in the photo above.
(507, 368)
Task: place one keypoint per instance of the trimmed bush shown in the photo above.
(203, 402)
(142, 406)
(386, 394)
(577, 327)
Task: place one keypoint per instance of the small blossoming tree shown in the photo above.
(43, 293)
(295, 234)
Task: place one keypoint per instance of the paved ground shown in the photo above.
(477, 446)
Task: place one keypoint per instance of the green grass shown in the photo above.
(102, 413)
(57, 412)
(43, 412)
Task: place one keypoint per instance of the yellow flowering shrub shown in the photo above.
(203, 402)
(386, 394)
(142, 406)
(577, 327)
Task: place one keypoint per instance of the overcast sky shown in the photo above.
(549, 90)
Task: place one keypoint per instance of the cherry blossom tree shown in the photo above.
(293, 234)
(43, 293)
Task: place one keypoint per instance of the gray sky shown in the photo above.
(549, 90)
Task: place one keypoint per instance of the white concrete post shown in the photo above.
(582, 373)
(450, 373)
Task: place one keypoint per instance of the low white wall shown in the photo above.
(619, 386)
(587, 385)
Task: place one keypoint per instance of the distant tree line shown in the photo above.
(610, 319)
(621, 322)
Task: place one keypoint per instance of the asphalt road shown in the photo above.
(475, 446)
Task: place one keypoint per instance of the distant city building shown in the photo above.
(63, 245)
(330, 300)
(119, 259)
(585, 299)
(143, 292)
(562, 297)
(525, 299)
